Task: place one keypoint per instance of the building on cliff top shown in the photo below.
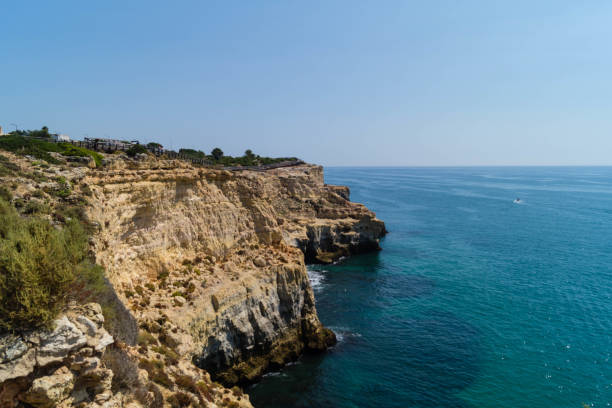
(61, 138)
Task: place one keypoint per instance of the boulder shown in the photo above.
(56, 345)
(104, 340)
(49, 391)
(11, 347)
(20, 367)
(259, 262)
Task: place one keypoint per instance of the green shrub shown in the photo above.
(186, 382)
(65, 213)
(154, 145)
(38, 193)
(35, 207)
(205, 390)
(145, 338)
(7, 167)
(69, 149)
(86, 190)
(179, 400)
(136, 149)
(139, 289)
(41, 268)
(171, 356)
(5, 194)
(155, 369)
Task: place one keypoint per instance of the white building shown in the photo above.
(61, 138)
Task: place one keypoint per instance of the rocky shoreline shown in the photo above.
(211, 264)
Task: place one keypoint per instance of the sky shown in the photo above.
(368, 83)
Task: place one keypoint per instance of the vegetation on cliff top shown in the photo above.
(217, 156)
(27, 144)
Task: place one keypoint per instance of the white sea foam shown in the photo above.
(273, 374)
(317, 279)
(344, 333)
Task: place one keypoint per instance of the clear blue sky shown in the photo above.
(333, 82)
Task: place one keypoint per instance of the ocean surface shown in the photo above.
(474, 301)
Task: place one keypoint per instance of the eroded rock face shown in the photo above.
(49, 368)
(217, 258)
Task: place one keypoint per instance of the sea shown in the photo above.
(476, 300)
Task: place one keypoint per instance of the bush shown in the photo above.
(69, 149)
(136, 149)
(7, 167)
(205, 390)
(192, 154)
(179, 400)
(155, 369)
(41, 268)
(36, 207)
(145, 339)
(186, 382)
(5, 194)
(172, 357)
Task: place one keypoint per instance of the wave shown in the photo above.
(344, 333)
(317, 279)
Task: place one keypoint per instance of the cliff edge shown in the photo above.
(207, 267)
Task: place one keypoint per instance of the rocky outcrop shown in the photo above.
(60, 367)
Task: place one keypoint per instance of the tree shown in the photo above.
(43, 133)
(249, 154)
(136, 149)
(217, 153)
(192, 154)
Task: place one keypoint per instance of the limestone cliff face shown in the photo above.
(213, 262)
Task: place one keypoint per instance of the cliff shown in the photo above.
(211, 265)
(220, 256)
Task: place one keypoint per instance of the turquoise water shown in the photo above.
(475, 301)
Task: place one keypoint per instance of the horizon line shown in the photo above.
(467, 165)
